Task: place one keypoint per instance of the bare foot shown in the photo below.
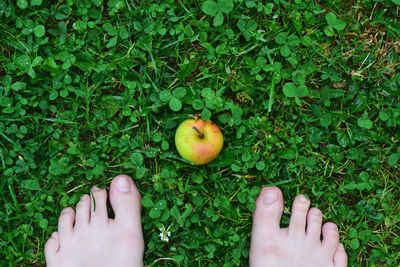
(298, 245)
(87, 237)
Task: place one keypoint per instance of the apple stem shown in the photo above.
(201, 135)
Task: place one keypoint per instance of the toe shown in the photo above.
(51, 247)
(66, 223)
(82, 212)
(266, 219)
(330, 236)
(314, 224)
(98, 210)
(125, 201)
(297, 224)
(340, 257)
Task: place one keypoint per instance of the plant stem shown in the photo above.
(201, 135)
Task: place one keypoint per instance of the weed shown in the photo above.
(306, 94)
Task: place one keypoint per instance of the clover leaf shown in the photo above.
(333, 24)
(364, 122)
(173, 99)
(39, 30)
(216, 10)
(287, 42)
(23, 4)
(291, 90)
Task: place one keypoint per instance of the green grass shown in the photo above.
(305, 92)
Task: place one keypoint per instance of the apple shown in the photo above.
(198, 141)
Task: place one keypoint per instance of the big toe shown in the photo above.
(125, 201)
(267, 215)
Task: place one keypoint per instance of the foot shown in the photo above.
(298, 245)
(87, 237)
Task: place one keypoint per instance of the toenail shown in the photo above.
(341, 247)
(333, 227)
(65, 211)
(84, 197)
(317, 212)
(96, 188)
(53, 235)
(304, 198)
(270, 196)
(123, 184)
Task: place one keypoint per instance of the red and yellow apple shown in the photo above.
(198, 141)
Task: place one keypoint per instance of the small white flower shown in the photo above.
(165, 233)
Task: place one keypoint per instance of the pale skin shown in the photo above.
(87, 237)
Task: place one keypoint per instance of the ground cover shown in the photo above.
(305, 92)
